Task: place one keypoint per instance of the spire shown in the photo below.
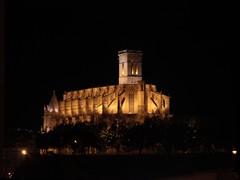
(53, 105)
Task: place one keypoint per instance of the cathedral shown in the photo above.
(131, 98)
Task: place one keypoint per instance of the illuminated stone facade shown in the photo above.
(131, 97)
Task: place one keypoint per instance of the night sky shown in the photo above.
(68, 46)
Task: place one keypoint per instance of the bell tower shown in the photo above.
(130, 66)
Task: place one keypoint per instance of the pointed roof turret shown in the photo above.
(53, 105)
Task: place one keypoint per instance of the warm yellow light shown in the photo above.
(75, 141)
(24, 152)
(234, 152)
(136, 71)
(123, 69)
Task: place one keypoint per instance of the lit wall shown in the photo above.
(141, 99)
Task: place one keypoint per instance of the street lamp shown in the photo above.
(234, 151)
(24, 152)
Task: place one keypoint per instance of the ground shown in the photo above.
(125, 166)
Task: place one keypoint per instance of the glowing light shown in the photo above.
(136, 71)
(75, 141)
(123, 69)
(234, 152)
(24, 152)
(10, 175)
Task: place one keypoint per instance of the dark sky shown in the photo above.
(69, 46)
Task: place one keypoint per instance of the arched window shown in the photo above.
(132, 68)
(122, 69)
(163, 103)
(136, 72)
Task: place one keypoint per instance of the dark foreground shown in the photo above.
(121, 166)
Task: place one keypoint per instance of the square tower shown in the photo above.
(130, 66)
